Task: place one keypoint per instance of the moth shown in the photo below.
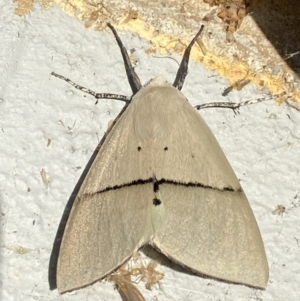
(158, 177)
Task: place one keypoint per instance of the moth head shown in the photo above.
(157, 81)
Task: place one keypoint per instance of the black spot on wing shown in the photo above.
(156, 202)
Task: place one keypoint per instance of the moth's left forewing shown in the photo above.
(110, 218)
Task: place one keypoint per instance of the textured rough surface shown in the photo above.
(245, 40)
(47, 125)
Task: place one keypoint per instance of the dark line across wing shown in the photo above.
(166, 181)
